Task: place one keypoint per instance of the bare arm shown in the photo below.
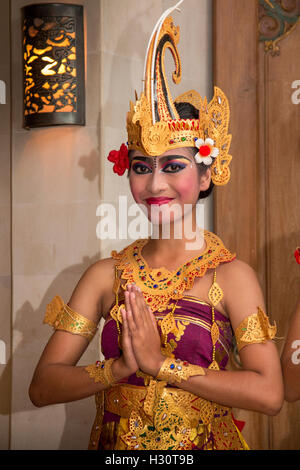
(258, 386)
(57, 379)
(290, 359)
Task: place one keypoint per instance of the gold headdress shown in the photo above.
(153, 123)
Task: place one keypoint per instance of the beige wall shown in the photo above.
(127, 26)
(59, 176)
(55, 192)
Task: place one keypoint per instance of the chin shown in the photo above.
(165, 214)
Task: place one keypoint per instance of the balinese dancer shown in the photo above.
(170, 306)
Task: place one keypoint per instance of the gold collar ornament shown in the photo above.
(153, 123)
(159, 285)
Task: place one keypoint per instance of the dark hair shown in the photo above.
(188, 111)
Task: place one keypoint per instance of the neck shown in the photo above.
(178, 239)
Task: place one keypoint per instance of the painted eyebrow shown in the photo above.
(163, 159)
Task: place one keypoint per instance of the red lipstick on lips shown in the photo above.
(158, 200)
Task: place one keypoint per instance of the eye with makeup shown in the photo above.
(173, 167)
(141, 168)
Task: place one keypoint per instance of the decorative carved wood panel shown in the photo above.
(256, 63)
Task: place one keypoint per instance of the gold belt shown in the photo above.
(160, 417)
(122, 399)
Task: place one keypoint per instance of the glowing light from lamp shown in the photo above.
(53, 65)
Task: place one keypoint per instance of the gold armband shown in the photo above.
(255, 328)
(62, 317)
(175, 370)
(101, 372)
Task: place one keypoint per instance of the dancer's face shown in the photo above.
(166, 183)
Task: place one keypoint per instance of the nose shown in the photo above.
(157, 182)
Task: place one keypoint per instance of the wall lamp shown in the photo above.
(53, 51)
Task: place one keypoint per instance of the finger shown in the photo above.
(125, 329)
(153, 323)
(130, 290)
(142, 306)
(129, 316)
(144, 310)
(139, 299)
(152, 318)
(150, 310)
(127, 301)
(136, 308)
(128, 294)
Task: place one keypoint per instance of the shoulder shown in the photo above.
(242, 290)
(92, 288)
(99, 272)
(94, 291)
(231, 272)
(231, 269)
(239, 280)
(237, 271)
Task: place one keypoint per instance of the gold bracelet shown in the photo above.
(175, 370)
(255, 328)
(101, 372)
(62, 317)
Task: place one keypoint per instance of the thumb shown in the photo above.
(152, 317)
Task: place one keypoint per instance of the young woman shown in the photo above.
(170, 304)
(290, 358)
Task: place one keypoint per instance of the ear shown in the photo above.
(205, 180)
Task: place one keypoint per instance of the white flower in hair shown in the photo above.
(207, 151)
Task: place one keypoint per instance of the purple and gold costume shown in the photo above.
(177, 420)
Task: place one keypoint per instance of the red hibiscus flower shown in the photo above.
(120, 160)
(297, 254)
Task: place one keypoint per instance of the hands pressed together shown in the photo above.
(140, 337)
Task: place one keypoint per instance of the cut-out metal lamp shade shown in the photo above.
(53, 50)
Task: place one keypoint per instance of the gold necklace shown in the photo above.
(159, 285)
